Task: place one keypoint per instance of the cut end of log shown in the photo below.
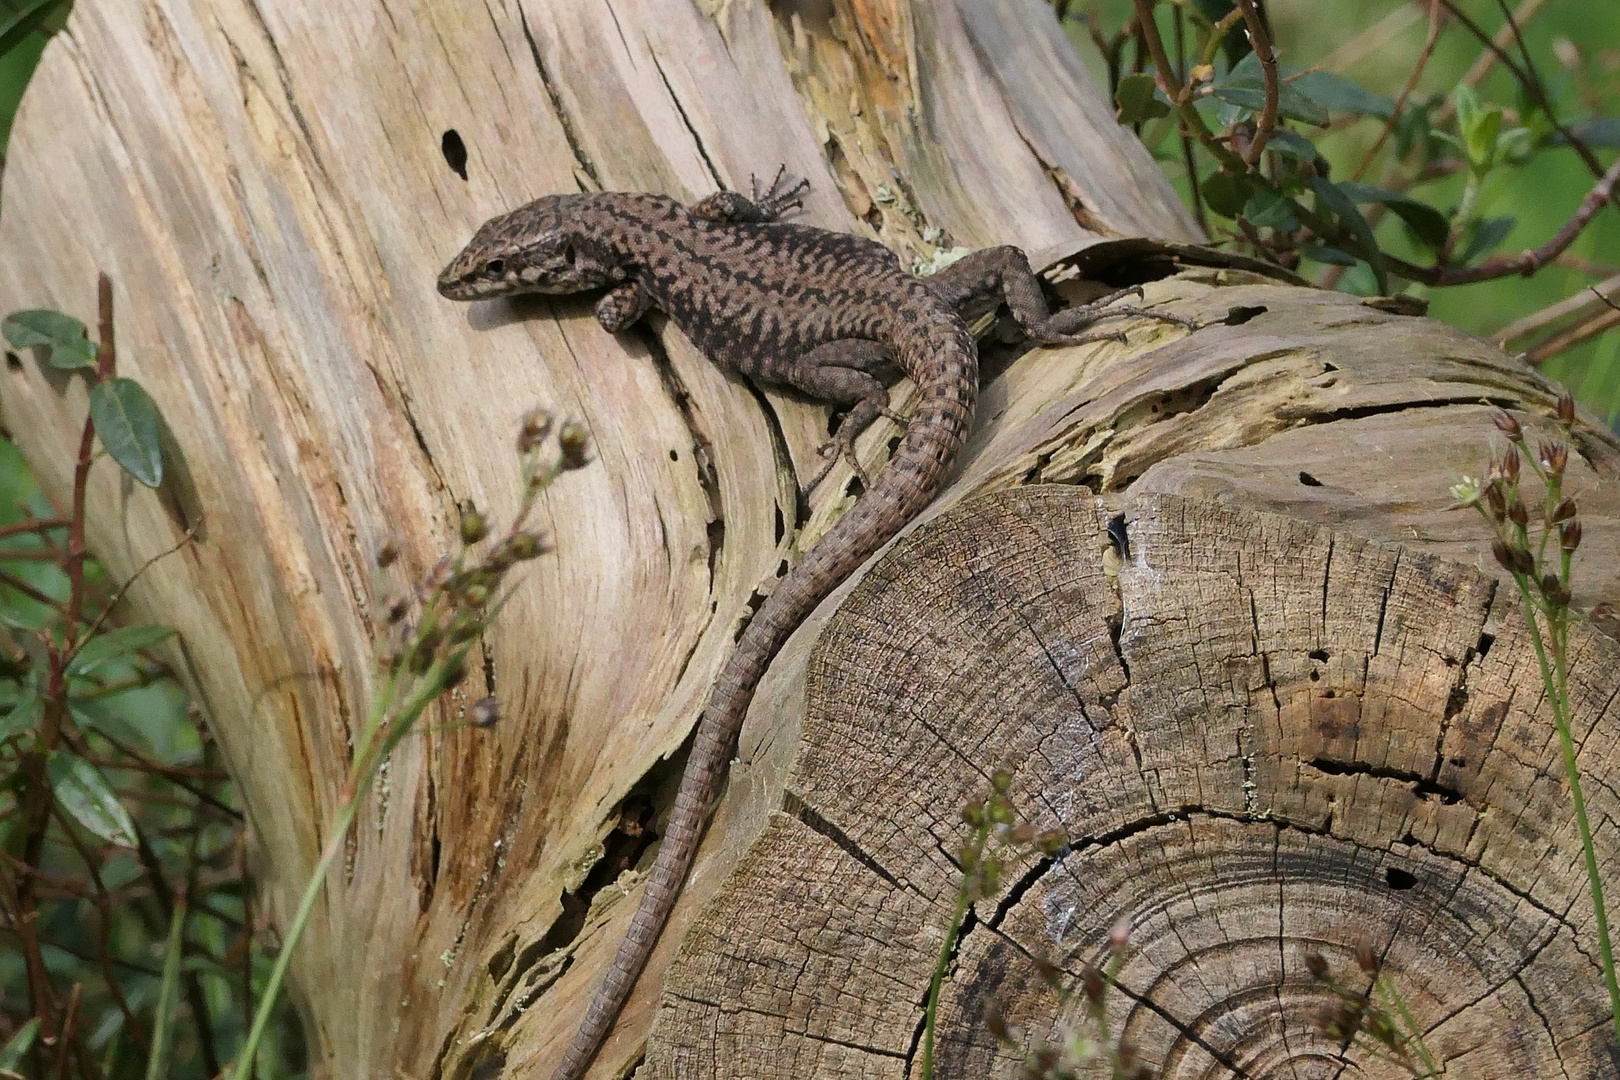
(1266, 743)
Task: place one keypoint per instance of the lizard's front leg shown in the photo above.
(621, 306)
(841, 374)
(981, 281)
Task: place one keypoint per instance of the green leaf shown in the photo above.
(1331, 198)
(93, 714)
(1270, 209)
(84, 794)
(1411, 128)
(11, 1055)
(1428, 224)
(1226, 194)
(1291, 104)
(126, 418)
(1328, 255)
(1137, 99)
(1293, 144)
(1245, 86)
(25, 18)
(1487, 234)
(1338, 94)
(24, 714)
(1480, 125)
(65, 337)
(157, 1062)
(113, 643)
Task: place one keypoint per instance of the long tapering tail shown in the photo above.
(939, 355)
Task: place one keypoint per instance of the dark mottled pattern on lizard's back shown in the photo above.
(819, 311)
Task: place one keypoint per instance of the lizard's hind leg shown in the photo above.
(980, 282)
(843, 374)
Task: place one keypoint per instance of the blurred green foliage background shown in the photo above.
(1575, 46)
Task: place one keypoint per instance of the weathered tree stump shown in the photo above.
(1263, 739)
(272, 188)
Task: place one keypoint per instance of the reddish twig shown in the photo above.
(1260, 41)
(1406, 92)
(32, 525)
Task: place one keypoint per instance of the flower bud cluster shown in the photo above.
(433, 625)
(1534, 547)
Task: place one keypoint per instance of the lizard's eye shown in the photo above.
(495, 267)
(568, 254)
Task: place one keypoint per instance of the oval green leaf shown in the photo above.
(126, 418)
(23, 715)
(112, 643)
(84, 794)
(64, 336)
(11, 1055)
(1136, 99)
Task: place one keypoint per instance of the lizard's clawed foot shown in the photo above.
(1060, 328)
(785, 193)
(839, 446)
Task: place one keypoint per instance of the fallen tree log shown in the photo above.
(273, 190)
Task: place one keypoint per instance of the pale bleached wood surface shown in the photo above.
(264, 183)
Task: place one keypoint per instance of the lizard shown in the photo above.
(821, 312)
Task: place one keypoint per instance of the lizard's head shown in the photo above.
(536, 248)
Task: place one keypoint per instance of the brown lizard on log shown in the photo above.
(821, 312)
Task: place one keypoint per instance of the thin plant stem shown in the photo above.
(1555, 678)
(947, 948)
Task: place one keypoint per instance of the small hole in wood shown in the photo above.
(1239, 315)
(1308, 480)
(854, 488)
(13, 361)
(1315, 675)
(1399, 879)
(673, 456)
(1319, 655)
(455, 152)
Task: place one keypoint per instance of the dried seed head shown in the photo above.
(1051, 842)
(1494, 501)
(455, 673)
(485, 712)
(526, 545)
(1317, 965)
(1569, 535)
(1564, 511)
(1001, 781)
(1507, 425)
(474, 526)
(536, 426)
(996, 1024)
(1119, 935)
(477, 594)
(1048, 973)
(1516, 512)
(573, 441)
(1093, 985)
(1554, 590)
(1366, 959)
(1566, 409)
(439, 576)
(1514, 559)
(1510, 465)
(1554, 456)
(388, 555)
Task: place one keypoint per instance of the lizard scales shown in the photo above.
(819, 311)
